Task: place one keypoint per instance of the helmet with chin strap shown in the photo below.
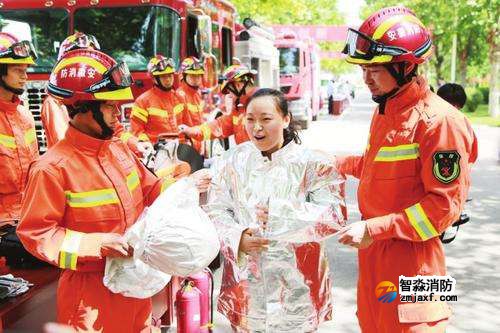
(158, 66)
(236, 73)
(14, 52)
(393, 37)
(84, 77)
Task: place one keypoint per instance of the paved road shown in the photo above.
(472, 258)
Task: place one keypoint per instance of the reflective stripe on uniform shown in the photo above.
(139, 113)
(92, 198)
(420, 222)
(398, 153)
(178, 108)
(133, 180)
(207, 132)
(143, 137)
(165, 172)
(8, 141)
(68, 254)
(157, 112)
(30, 136)
(193, 108)
(125, 136)
(166, 183)
(236, 120)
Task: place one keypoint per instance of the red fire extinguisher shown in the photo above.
(204, 282)
(187, 305)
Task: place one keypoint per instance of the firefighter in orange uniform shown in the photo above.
(54, 115)
(85, 192)
(414, 175)
(159, 109)
(18, 144)
(192, 71)
(238, 81)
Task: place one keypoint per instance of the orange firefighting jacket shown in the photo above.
(227, 124)
(414, 178)
(18, 148)
(154, 112)
(55, 121)
(79, 189)
(402, 190)
(192, 115)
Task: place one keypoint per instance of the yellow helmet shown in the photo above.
(13, 51)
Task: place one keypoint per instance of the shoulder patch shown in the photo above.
(446, 166)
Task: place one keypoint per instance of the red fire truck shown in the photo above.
(299, 75)
(131, 30)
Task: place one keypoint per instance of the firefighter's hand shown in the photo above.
(262, 213)
(114, 245)
(356, 235)
(145, 147)
(252, 244)
(202, 179)
(189, 131)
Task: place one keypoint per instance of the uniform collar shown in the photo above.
(10, 106)
(85, 142)
(188, 87)
(280, 154)
(407, 97)
(160, 92)
(284, 151)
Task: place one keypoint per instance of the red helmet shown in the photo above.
(78, 40)
(13, 51)
(160, 65)
(89, 75)
(236, 73)
(192, 65)
(390, 35)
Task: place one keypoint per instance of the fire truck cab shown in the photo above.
(300, 76)
(130, 30)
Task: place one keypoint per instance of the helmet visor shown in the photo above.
(120, 75)
(115, 78)
(360, 46)
(163, 65)
(196, 65)
(20, 50)
(86, 41)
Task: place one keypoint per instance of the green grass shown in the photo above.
(481, 116)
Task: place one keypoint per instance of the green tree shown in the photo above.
(290, 11)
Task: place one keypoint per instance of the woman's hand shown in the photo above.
(262, 213)
(114, 246)
(252, 244)
(202, 179)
